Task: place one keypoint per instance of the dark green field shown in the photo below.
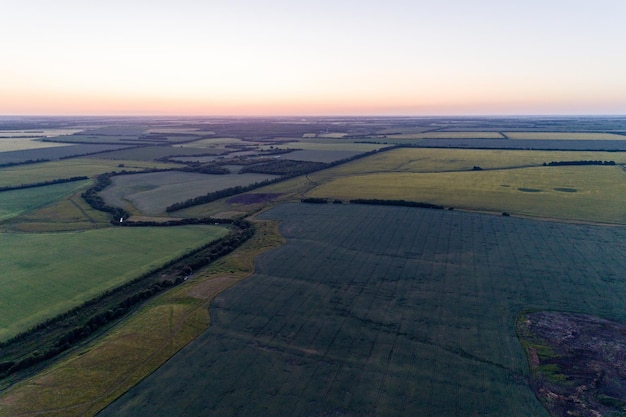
(387, 311)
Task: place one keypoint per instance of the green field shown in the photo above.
(75, 167)
(14, 203)
(387, 311)
(588, 193)
(20, 144)
(442, 160)
(48, 273)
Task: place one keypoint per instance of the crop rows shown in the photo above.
(386, 311)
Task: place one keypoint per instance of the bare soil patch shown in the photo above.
(577, 363)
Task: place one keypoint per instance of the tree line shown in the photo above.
(404, 203)
(94, 314)
(561, 163)
(42, 183)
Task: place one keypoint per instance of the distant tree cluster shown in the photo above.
(285, 167)
(314, 200)
(396, 203)
(96, 202)
(42, 184)
(205, 169)
(560, 163)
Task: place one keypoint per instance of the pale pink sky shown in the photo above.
(277, 57)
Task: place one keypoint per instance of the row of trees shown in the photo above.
(111, 305)
(396, 203)
(92, 197)
(42, 184)
(560, 163)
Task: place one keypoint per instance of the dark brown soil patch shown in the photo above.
(253, 198)
(577, 363)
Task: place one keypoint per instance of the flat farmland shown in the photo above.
(447, 135)
(564, 136)
(387, 311)
(54, 152)
(46, 274)
(441, 160)
(220, 143)
(319, 156)
(151, 193)
(20, 144)
(151, 153)
(39, 132)
(587, 193)
(329, 145)
(75, 167)
(16, 202)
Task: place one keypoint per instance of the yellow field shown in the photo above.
(564, 136)
(440, 160)
(587, 193)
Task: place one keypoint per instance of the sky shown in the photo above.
(324, 57)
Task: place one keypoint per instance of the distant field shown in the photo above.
(564, 136)
(214, 143)
(37, 132)
(152, 193)
(382, 311)
(441, 160)
(447, 135)
(54, 152)
(15, 144)
(329, 145)
(13, 203)
(46, 274)
(93, 138)
(319, 156)
(590, 193)
(150, 153)
(46, 171)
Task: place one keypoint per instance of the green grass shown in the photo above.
(14, 203)
(385, 311)
(46, 274)
(75, 167)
